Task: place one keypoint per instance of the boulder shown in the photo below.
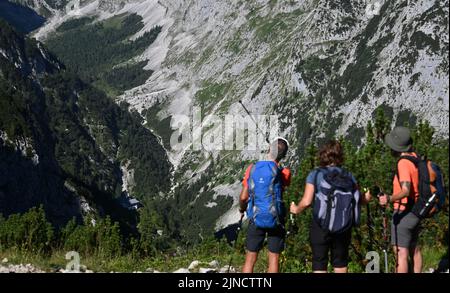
(193, 265)
(224, 269)
(214, 264)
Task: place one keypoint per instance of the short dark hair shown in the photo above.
(331, 153)
(281, 148)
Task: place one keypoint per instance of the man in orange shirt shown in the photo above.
(278, 180)
(405, 226)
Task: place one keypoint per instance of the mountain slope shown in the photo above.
(65, 144)
(80, 44)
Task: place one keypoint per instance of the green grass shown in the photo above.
(432, 255)
(272, 25)
(269, 28)
(115, 22)
(212, 250)
(128, 263)
(207, 53)
(212, 92)
(234, 45)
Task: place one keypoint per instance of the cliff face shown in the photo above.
(30, 174)
(64, 144)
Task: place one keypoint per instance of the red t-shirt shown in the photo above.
(285, 176)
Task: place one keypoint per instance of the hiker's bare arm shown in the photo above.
(243, 199)
(406, 188)
(365, 199)
(306, 201)
(307, 198)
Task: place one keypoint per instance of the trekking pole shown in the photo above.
(235, 242)
(292, 221)
(386, 264)
(369, 222)
(385, 236)
(292, 227)
(289, 232)
(251, 117)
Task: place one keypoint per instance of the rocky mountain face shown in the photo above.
(66, 145)
(323, 67)
(27, 164)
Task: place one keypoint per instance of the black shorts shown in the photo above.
(256, 237)
(322, 243)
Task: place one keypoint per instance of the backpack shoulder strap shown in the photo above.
(412, 159)
(350, 177)
(317, 170)
(276, 170)
(251, 185)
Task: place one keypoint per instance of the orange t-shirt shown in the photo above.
(285, 176)
(407, 172)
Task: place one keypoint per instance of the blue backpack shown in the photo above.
(336, 202)
(265, 206)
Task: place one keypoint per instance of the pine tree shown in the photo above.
(422, 136)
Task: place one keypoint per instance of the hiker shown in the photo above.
(261, 198)
(405, 225)
(331, 227)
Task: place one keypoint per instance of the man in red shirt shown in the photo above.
(405, 226)
(257, 235)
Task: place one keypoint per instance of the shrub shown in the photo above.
(28, 232)
(101, 238)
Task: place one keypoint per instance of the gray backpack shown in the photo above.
(336, 202)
